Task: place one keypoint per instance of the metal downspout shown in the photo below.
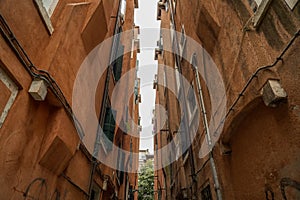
(208, 137)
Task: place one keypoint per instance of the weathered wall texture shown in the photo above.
(41, 155)
(257, 154)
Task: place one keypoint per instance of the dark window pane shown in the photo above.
(109, 127)
(206, 193)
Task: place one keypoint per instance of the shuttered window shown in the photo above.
(206, 193)
(121, 165)
(109, 127)
(117, 66)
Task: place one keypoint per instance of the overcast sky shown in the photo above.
(145, 17)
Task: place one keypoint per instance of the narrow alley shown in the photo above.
(149, 100)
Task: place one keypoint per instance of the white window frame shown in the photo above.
(262, 7)
(123, 9)
(258, 2)
(182, 42)
(177, 146)
(292, 3)
(9, 83)
(192, 111)
(172, 32)
(177, 78)
(46, 9)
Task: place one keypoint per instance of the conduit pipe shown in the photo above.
(207, 133)
(37, 73)
(279, 58)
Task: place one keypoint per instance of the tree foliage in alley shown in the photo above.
(146, 182)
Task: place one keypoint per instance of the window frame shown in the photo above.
(177, 78)
(107, 144)
(260, 12)
(47, 13)
(191, 111)
(13, 87)
(291, 3)
(182, 43)
(206, 189)
(96, 188)
(123, 9)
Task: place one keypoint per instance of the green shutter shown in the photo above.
(109, 127)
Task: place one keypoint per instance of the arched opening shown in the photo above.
(265, 150)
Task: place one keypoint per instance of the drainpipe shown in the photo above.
(207, 133)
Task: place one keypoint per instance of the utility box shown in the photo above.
(38, 89)
(273, 93)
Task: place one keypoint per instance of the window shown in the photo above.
(9, 91)
(291, 3)
(155, 82)
(49, 5)
(177, 77)
(131, 193)
(183, 136)
(260, 8)
(253, 5)
(165, 83)
(120, 163)
(172, 31)
(123, 9)
(206, 193)
(137, 96)
(182, 41)
(46, 9)
(117, 51)
(109, 127)
(95, 193)
(174, 6)
(192, 102)
(118, 63)
(160, 42)
(177, 146)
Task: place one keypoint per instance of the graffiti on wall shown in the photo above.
(284, 183)
(38, 189)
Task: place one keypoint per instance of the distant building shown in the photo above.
(144, 156)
